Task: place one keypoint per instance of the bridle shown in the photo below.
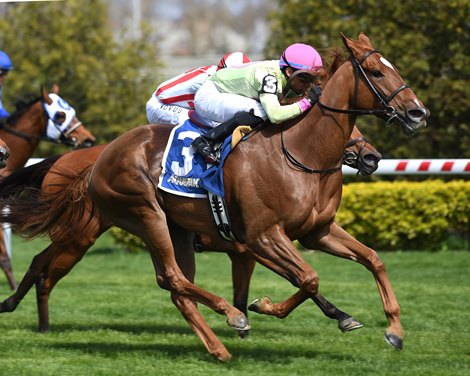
(351, 158)
(388, 110)
(64, 134)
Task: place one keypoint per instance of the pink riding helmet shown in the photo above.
(300, 56)
(233, 59)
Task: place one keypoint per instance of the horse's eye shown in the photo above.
(59, 117)
(377, 73)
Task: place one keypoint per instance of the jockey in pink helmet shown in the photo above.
(251, 93)
(173, 99)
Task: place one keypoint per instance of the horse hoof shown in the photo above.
(7, 306)
(239, 323)
(224, 356)
(256, 305)
(394, 341)
(243, 333)
(349, 324)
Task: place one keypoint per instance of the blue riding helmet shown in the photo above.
(5, 61)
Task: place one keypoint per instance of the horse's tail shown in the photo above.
(60, 214)
(27, 177)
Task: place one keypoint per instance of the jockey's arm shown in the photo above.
(275, 111)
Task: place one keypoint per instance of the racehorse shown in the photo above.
(43, 118)
(52, 177)
(272, 192)
(319, 189)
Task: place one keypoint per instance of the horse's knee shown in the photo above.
(163, 282)
(171, 283)
(376, 264)
(310, 283)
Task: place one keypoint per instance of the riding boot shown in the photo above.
(204, 144)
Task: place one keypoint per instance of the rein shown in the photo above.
(299, 164)
(388, 111)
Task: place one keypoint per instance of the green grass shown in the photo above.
(108, 317)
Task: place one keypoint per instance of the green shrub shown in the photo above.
(405, 215)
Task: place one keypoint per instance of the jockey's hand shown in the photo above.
(314, 94)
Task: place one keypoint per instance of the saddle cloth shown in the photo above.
(185, 173)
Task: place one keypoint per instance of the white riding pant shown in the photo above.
(161, 113)
(215, 107)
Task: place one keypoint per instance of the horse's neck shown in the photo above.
(31, 123)
(328, 132)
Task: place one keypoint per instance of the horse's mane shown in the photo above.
(21, 105)
(336, 57)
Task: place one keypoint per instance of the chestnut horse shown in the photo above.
(38, 120)
(48, 180)
(313, 225)
(284, 183)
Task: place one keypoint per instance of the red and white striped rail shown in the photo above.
(400, 166)
(418, 167)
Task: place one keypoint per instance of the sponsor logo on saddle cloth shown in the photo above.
(185, 173)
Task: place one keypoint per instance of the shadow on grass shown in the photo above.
(261, 353)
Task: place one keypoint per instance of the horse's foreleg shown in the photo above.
(338, 242)
(33, 274)
(5, 262)
(274, 248)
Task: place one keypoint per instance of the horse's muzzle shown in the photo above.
(413, 120)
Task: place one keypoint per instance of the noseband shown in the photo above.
(351, 158)
(388, 110)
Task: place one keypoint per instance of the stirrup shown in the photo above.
(205, 149)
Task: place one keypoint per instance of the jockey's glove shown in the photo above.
(314, 94)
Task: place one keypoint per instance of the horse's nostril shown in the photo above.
(371, 160)
(417, 113)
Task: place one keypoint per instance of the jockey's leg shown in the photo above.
(204, 144)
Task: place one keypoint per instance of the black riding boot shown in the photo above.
(204, 144)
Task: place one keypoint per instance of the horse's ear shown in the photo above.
(356, 47)
(365, 39)
(55, 88)
(347, 42)
(45, 95)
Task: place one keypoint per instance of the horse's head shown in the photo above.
(360, 154)
(387, 93)
(62, 122)
(4, 153)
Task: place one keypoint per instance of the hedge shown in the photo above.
(393, 215)
(406, 215)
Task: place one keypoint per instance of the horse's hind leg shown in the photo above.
(5, 262)
(183, 243)
(33, 274)
(64, 258)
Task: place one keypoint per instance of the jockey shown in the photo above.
(250, 94)
(173, 99)
(5, 67)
